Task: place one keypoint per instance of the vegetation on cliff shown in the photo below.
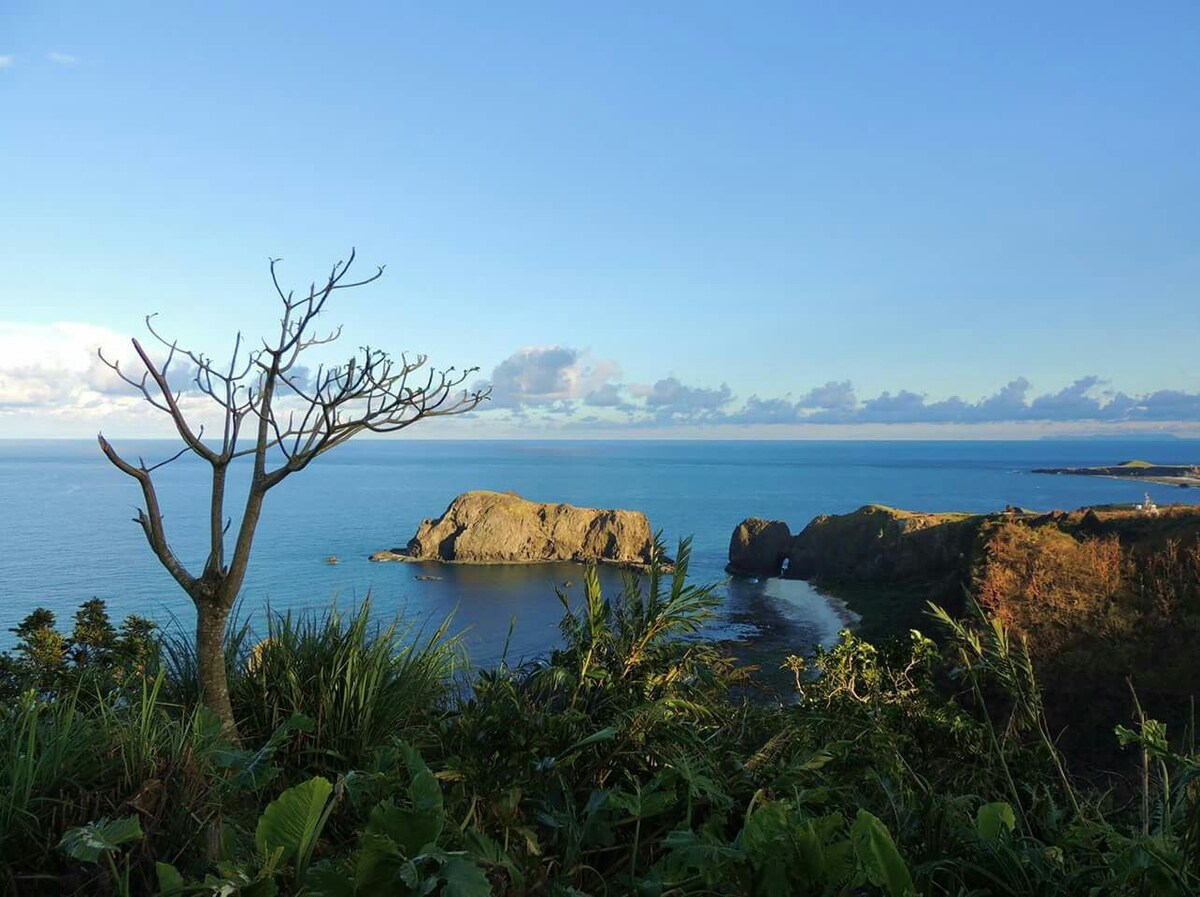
(373, 762)
(946, 552)
(1105, 598)
(881, 544)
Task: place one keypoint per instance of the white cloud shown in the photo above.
(6, 62)
(61, 58)
(833, 396)
(52, 382)
(567, 388)
(671, 398)
(45, 363)
(545, 375)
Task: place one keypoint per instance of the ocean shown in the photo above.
(68, 535)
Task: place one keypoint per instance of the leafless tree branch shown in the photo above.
(293, 420)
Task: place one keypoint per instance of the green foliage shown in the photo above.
(360, 683)
(877, 856)
(94, 659)
(415, 827)
(625, 763)
(254, 769)
(100, 840)
(94, 637)
(288, 829)
(561, 762)
(782, 850)
(97, 839)
(400, 850)
(170, 882)
(994, 820)
(397, 852)
(40, 656)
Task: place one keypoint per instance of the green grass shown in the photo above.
(361, 682)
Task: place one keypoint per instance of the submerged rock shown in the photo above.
(758, 547)
(485, 527)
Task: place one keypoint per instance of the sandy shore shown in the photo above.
(1182, 482)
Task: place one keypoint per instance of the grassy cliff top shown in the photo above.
(901, 514)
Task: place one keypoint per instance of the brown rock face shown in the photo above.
(503, 528)
(881, 545)
(758, 547)
(877, 543)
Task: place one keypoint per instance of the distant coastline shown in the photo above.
(1181, 475)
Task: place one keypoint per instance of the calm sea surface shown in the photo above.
(67, 534)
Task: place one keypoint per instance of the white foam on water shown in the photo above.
(800, 601)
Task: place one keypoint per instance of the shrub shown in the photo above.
(364, 684)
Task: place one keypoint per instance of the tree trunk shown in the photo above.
(211, 616)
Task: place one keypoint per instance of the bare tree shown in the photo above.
(289, 417)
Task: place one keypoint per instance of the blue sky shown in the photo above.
(645, 214)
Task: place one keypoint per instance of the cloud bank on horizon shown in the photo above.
(563, 382)
(52, 383)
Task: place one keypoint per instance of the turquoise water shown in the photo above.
(67, 533)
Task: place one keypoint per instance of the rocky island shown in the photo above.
(484, 527)
(1182, 475)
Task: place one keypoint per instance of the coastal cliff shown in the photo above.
(873, 544)
(485, 527)
(877, 543)
(943, 553)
